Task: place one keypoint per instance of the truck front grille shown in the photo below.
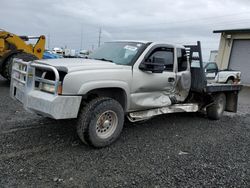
(37, 76)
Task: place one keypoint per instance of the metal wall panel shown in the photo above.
(240, 59)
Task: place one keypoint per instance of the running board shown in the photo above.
(147, 114)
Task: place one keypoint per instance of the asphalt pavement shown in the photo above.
(177, 150)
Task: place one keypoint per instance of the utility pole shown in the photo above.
(100, 36)
(81, 36)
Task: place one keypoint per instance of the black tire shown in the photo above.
(89, 119)
(216, 110)
(7, 68)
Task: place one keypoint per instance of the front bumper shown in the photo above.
(46, 104)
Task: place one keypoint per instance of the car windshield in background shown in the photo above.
(118, 52)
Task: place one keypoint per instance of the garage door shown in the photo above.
(240, 59)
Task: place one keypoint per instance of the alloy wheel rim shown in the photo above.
(106, 124)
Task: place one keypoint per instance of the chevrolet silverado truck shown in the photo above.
(133, 79)
(213, 74)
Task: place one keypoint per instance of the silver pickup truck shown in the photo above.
(133, 79)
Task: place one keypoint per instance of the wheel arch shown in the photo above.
(230, 77)
(116, 93)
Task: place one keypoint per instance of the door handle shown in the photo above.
(171, 79)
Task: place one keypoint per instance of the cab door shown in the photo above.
(211, 71)
(153, 89)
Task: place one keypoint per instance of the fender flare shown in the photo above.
(93, 85)
(231, 75)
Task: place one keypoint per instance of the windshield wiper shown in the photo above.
(103, 59)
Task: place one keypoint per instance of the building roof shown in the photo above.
(231, 31)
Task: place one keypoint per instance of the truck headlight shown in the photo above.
(51, 88)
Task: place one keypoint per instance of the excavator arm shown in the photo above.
(13, 46)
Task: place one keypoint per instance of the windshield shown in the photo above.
(122, 53)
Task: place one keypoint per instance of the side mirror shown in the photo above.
(157, 66)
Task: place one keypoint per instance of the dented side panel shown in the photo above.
(183, 85)
(177, 108)
(151, 90)
(154, 90)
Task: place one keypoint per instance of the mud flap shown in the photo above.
(232, 102)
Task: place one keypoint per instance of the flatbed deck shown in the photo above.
(216, 87)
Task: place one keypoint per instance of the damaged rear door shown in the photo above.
(151, 86)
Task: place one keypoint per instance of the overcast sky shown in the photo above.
(178, 21)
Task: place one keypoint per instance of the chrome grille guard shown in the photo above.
(25, 74)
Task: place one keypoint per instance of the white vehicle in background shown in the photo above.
(69, 53)
(83, 53)
(214, 75)
(58, 51)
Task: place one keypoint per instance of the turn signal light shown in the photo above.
(59, 90)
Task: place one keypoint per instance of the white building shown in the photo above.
(213, 56)
(234, 51)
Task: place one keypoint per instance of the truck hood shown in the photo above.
(78, 64)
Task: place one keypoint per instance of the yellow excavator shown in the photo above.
(13, 46)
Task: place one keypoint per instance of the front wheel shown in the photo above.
(100, 122)
(216, 110)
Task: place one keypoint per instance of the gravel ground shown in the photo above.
(179, 150)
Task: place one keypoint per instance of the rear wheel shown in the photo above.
(7, 69)
(100, 122)
(216, 110)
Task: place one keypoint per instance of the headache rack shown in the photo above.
(24, 73)
(198, 77)
(198, 81)
(191, 50)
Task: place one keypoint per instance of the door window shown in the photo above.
(182, 60)
(167, 54)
